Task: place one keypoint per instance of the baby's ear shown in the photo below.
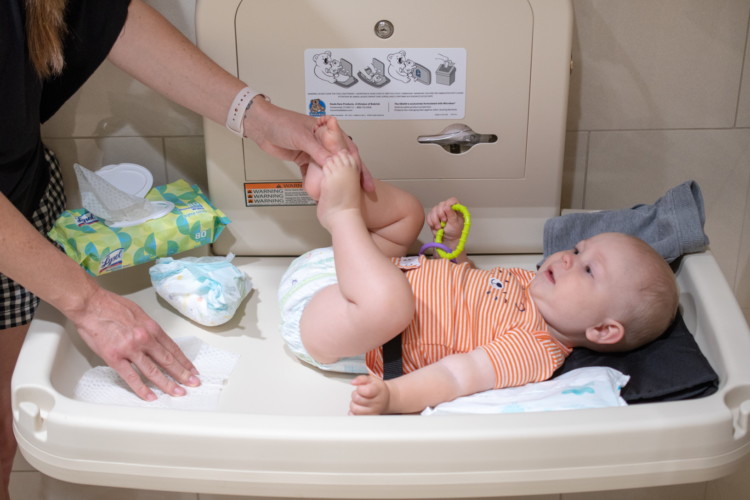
(608, 332)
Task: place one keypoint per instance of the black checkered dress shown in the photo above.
(17, 305)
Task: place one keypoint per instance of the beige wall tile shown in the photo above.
(186, 159)
(20, 463)
(574, 169)
(26, 486)
(111, 103)
(742, 276)
(657, 64)
(743, 111)
(95, 153)
(181, 13)
(626, 168)
(681, 492)
(54, 489)
(736, 485)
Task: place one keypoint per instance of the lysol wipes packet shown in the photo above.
(101, 249)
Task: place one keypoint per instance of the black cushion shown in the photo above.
(670, 368)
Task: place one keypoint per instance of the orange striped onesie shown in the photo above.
(460, 308)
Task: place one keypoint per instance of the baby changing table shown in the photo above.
(281, 428)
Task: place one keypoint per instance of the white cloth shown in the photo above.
(103, 385)
(591, 387)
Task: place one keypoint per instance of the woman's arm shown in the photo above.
(154, 52)
(115, 328)
(451, 377)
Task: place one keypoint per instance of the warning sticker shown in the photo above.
(386, 84)
(275, 194)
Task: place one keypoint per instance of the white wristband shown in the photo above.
(236, 114)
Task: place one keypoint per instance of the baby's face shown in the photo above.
(580, 288)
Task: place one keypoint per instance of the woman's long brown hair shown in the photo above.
(45, 28)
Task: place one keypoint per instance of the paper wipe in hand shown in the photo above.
(207, 290)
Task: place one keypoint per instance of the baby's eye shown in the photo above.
(588, 269)
(575, 251)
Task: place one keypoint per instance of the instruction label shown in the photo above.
(267, 194)
(386, 84)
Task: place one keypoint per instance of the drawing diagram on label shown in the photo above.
(405, 70)
(374, 74)
(338, 71)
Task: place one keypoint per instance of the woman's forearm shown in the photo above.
(154, 52)
(30, 259)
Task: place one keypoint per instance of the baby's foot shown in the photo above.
(330, 135)
(339, 189)
(311, 179)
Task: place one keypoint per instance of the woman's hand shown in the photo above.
(288, 135)
(133, 344)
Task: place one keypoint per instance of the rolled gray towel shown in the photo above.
(673, 225)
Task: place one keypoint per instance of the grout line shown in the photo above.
(742, 73)
(586, 169)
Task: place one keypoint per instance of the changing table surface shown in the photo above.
(282, 429)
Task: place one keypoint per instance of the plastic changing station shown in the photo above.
(281, 428)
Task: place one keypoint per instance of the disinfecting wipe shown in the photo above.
(114, 206)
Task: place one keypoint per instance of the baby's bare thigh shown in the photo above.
(333, 327)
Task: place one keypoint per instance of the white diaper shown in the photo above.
(306, 276)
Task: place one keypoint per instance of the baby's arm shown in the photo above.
(451, 377)
(454, 224)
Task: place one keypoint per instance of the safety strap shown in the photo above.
(392, 363)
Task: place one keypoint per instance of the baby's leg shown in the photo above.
(372, 301)
(392, 215)
(333, 139)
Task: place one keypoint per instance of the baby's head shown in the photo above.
(612, 292)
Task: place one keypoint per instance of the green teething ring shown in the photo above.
(464, 233)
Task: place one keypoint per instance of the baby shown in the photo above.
(464, 330)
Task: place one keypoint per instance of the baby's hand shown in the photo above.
(454, 221)
(370, 396)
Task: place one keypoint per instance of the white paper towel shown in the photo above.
(103, 385)
(114, 206)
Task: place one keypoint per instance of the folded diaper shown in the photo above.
(103, 385)
(592, 387)
(207, 290)
(673, 225)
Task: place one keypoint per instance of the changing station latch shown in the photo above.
(457, 138)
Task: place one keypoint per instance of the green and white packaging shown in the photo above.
(101, 249)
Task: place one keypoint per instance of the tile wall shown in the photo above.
(660, 93)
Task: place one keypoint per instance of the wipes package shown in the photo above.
(207, 290)
(100, 249)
